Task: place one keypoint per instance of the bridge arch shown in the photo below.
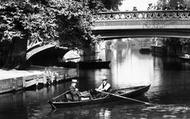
(47, 54)
(36, 50)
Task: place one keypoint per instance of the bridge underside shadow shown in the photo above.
(131, 33)
(48, 57)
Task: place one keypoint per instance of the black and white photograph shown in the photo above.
(94, 59)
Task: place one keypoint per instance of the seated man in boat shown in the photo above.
(104, 86)
(74, 94)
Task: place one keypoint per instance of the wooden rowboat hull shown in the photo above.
(133, 92)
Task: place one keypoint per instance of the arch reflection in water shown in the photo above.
(104, 113)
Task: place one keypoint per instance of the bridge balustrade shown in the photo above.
(143, 15)
(166, 23)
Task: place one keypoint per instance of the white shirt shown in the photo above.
(104, 86)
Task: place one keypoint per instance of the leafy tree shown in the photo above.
(74, 23)
(12, 31)
(65, 20)
(172, 4)
(112, 4)
(27, 20)
(187, 3)
(95, 6)
(101, 5)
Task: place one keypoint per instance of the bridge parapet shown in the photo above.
(142, 20)
(142, 24)
(143, 15)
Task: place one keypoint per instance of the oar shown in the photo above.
(60, 95)
(72, 58)
(51, 103)
(126, 98)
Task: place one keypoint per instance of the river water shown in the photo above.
(169, 91)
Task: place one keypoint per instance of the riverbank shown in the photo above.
(14, 80)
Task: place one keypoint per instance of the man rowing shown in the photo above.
(104, 86)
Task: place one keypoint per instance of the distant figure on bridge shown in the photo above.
(135, 8)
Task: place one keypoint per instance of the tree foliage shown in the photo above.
(95, 6)
(65, 20)
(101, 5)
(172, 4)
(112, 4)
(74, 22)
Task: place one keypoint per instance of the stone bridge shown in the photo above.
(44, 53)
(111, 25)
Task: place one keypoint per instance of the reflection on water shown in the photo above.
(30, 103)
(124, 112)
(128, 67)
(169, 91)
(171, 81)
(105, 114)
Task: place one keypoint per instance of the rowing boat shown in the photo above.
(131, 92)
